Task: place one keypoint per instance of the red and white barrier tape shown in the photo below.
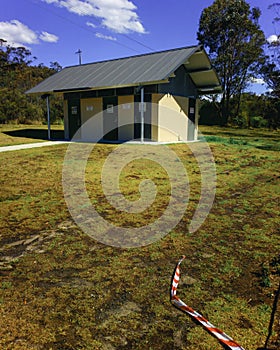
(226, 341)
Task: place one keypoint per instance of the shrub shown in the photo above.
(258, 122)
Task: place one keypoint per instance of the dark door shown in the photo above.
(74, 116)
(191, 119)
(147, 116)
(110, 118)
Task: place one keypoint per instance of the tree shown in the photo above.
(55, 66)
(254, 112)
(17, 75)
(271, 72)
(230, 31)
(274, 43)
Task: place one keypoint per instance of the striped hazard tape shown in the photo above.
(226, 341)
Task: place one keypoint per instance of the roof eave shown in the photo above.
(209, 90)
(139, 84)
(171, 73)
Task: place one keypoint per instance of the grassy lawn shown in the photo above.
(19, 134)
(62, 290)
(259, 138)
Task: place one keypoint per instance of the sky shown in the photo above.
(55, 30)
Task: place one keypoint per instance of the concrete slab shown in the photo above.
(31, 145)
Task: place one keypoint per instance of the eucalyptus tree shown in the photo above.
(271, 71)
(230, 31)
(274, 42)
(18, 74)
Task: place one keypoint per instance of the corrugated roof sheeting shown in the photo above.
(135, 70)
(120, 72)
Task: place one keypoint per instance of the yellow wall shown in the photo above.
(183, 102)
(168, 111)
(155, 100)
(126, 117)
(172, 118)
(92, 107)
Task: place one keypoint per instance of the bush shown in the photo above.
(239, 121)
(258, 122)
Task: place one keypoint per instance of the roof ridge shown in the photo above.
(135, 56)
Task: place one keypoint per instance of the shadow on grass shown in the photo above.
(270, 147)
(36, 134)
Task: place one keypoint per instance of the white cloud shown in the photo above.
(116, 15)
(273, 39)
(17, 33)
(106, 37)
(92, 25)
(50, 38)
(79, 7)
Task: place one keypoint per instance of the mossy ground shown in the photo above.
(62, 290)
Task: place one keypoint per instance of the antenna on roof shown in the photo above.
(80, 56)
(2, 42)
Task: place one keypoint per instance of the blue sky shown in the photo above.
(104, 29)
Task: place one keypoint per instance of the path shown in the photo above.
(30, 145)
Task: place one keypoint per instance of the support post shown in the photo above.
(49, 119)
(142, 115)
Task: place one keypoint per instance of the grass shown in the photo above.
(19, 134)
(63, 290)
(259, 138)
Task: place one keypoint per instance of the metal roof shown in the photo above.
(132, 71)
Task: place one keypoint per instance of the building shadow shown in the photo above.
(39, 134)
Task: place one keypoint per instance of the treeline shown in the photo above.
(256, 111)
(230, 32)
(240, 53)
(17, 75)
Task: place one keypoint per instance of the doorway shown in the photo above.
(74, 116)
(110, 118)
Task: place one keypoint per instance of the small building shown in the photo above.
(135, 96)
